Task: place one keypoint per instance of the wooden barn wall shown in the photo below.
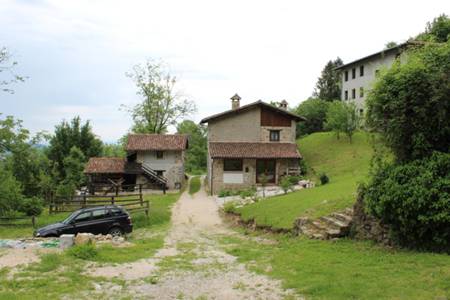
(271, 118)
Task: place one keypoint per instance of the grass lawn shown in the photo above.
(194, 185)
(345, 164)
(346, 269)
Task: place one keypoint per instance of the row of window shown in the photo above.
(361, 93)
(361, 73)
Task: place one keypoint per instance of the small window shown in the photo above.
(98, 214)
(86, 216)
(353, 93)
(353, 73)
(274, 136)
(361, 71)
(159, 154)
(361, 92)
(346, 75)
(232, 164)
(346, 95)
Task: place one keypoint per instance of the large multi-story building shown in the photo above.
(358, 75)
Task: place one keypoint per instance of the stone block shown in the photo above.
(66, 241)
(84, 238)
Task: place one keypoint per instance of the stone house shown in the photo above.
(248, 141)
(155, 160)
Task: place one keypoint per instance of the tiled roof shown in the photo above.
(111, 165)
(251, 106)
(144, 142)
(253, 150)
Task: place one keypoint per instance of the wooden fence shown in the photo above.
(131, 202)
(18, 221)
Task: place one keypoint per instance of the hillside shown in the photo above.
(345, 164)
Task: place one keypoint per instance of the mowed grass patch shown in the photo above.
(345, 164)
(346, 269)
(194, 185)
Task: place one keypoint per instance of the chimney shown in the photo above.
(235, 101)
(284, 104)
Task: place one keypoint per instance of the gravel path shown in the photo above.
(191, 265)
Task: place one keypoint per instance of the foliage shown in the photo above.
(194, 185)
(250, 192)
(85, 251)
(197, 152)
(263, 180)
(113, 150)
(315, 111)
(436, 31)
(227, 193)
(285, 184)
(347, 164)
(343, 269)
(294, 179)
(324, 178)
(303, 165)
(409, 105)
(10, 191)
(7, 65)
(68, 135)
(229, 207)
(32, 206)
(328, 86)
(13, 136)
(65, 190)
(74, 166)
(161, 104)
(414, 200)
(342, 118)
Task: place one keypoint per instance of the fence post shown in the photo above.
(112, 200)
(117, 190)
(33, 221)
(84, 200)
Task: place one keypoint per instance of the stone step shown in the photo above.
(318, 225)
(342, 217)
(349, 211)
(334, 222)
(319, 236)
(333, 233)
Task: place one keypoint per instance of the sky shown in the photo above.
(75, 53)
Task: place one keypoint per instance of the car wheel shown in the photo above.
(116, 231)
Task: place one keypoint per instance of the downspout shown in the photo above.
(211, 177)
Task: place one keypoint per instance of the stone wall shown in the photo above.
(367, 227)
(249, 176)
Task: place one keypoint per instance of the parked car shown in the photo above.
(111, 219)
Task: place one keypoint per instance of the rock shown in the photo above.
(66, 241)
(84, 238)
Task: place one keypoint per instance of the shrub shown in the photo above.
(286, 183)
(303, 167)
(247, 193)
(414, 200)
(32, 206)
(65, 190)
(229, 207)
(85, 252)
(294, 179)
(224, 193)
(324, 178)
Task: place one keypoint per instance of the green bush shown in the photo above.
(303, 166)
(286, 183)
(324, 178)
(229, 207)
(294, 179)
(32, 206)
(414, 200)
(85, 252)
(247, 193)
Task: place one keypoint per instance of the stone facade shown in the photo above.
(287, 134)
(242, 127)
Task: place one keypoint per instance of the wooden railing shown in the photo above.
(15, 221)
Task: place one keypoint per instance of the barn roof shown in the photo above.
(251, 106)
(253, 150)
(142, 142)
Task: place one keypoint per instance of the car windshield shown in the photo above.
(71, 217)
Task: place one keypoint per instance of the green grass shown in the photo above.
(345, 164)
(194, 185)
(346, 269)
(58, 275)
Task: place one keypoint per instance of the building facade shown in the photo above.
(357, 77)
(250, 144)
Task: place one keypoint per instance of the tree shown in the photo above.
(74, 166)
(197, 152)
(436, 31)
(6, 66)
(409, 105)
(13, 136)
(68, 135)
(113, 150)
(328, 86)
(315, 111)
(161, 105)
(342, 118)
(10, 191)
